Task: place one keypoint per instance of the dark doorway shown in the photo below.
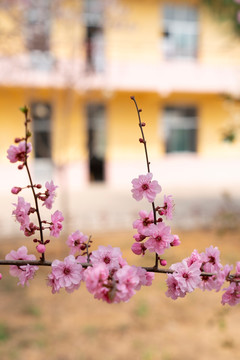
(96, 130)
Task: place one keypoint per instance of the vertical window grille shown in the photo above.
(93, 19)
(180, 129)
(180, 31)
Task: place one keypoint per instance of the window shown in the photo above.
(180, 31)
(94, 41)
(41, 113)
(37, 33)
(180, 129)
(96, 132)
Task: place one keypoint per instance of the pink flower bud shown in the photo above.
(163, 262)
(0, 276)
(138, 248)
(175, 241)
(15, 190)
(41, 248)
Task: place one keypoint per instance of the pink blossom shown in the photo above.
(174, 290)
(195, 256)
(238, 17)
(142, 224)
(49, 194)
(127, 283)
(53, 283)
(211, 259)
(97, 282)
(159, 239)
(143, 186)
(168, 207)
(145, 277)
(231, 295)
(56, 225)
(67, 273)
(138, 248)
(238, 263)
(22, 213)
(24, 272)
(176, 241)
(216, 281)
(188, 277)
(0, 276)
(107, 255)
(17, 153)
(76, 241)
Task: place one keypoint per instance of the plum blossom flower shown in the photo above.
(17, 153)
(167, 209)
(188, 277)
(195, 256)
(56, 225)
(49, 194)
(143, 186)
(128, 281)
(176, 241)
(53, 283)
(216, 281)
(24, 272)
(231, 295)
(159, 239)
(146, 277)
(211, 259)
(174, 290)
(107, 255)
(22, 213)
(96, 279)
(77, 242)
(142, 224)
(66, 274)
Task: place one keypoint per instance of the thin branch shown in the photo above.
(85, 265)
(148, 166)
(31, 182)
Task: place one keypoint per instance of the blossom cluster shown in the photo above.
(104, 271)
(152, 232)
(23, 209)
(108, 276)
(186, 276)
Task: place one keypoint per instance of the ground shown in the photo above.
(36, 325)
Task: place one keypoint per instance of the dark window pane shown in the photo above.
(41, 113)
(96, 141)
(42, 145)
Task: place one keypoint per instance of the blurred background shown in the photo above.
(75, 64)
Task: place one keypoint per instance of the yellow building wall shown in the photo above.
(133, 31)
(69, 126)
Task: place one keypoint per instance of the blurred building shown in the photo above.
(76, 63)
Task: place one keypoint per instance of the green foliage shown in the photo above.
(4, 332)
(225, 10)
